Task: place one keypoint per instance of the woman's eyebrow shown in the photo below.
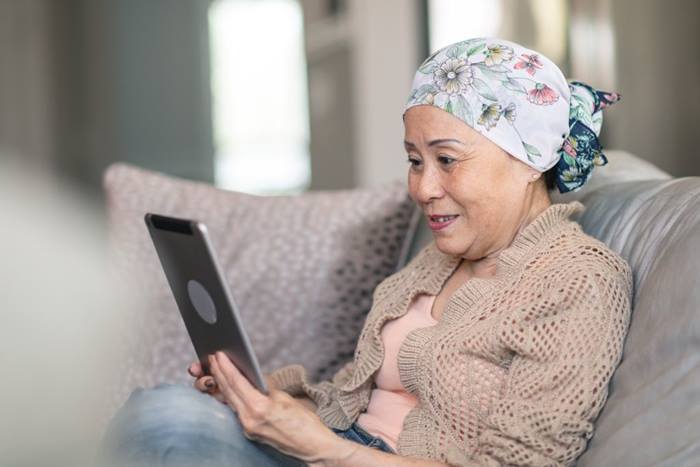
(435, 142)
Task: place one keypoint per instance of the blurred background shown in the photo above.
(281, 96)
(260, 96)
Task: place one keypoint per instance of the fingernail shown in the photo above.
(209, 384)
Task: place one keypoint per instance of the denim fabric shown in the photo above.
(176, 425)
(357, 434)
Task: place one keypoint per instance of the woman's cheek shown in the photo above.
(480, 228)
(469, 187)
(412, 187)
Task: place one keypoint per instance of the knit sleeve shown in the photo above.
(565, 346)
(288, 379)
(293, 380)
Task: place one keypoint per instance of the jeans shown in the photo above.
(357, 434)
(176, 425)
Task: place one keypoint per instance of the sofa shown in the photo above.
(302, 269)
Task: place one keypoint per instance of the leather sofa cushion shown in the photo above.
(652, 415)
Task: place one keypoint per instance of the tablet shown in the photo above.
(205, 302)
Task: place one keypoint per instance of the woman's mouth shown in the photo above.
(441, 221)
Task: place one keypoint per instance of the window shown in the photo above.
(538, 24)
(455, 20)
(259, 96)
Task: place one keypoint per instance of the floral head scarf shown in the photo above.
(520, 100)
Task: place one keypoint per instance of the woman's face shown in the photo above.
(455, 171)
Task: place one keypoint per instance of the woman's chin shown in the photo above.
(449, 246)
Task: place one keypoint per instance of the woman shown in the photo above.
(494, 346)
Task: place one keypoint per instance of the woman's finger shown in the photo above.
(206, 384)
(224, 386)
(240, 383)
(196, 370)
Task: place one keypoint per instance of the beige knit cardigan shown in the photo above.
(517, 369)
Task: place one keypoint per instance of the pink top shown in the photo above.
(389, 402)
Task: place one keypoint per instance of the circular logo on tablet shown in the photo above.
(202, 301)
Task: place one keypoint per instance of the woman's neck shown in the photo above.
(486, 266)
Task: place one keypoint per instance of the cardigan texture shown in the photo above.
(516, 370)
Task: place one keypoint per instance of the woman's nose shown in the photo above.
(429, 187)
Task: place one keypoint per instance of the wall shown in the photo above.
(361, 64)
(658, 72)
(388, 43)
(87, 82)
(26, 122)
(132, 84)
(329, 49)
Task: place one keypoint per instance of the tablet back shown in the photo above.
(205, 302)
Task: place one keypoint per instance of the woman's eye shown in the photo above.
(413, 161)
(445, 160)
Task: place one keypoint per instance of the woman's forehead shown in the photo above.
(429, 124)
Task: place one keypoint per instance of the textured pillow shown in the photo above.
(302, 268)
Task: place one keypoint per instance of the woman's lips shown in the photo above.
(439, 222)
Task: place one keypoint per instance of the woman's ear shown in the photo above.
(523, 172)
(534, 175)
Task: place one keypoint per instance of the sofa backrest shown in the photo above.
(652, 415)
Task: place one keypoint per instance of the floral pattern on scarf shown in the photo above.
(459, 73)
(581, 151)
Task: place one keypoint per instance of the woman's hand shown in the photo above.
(205, 383)
(276, 419)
